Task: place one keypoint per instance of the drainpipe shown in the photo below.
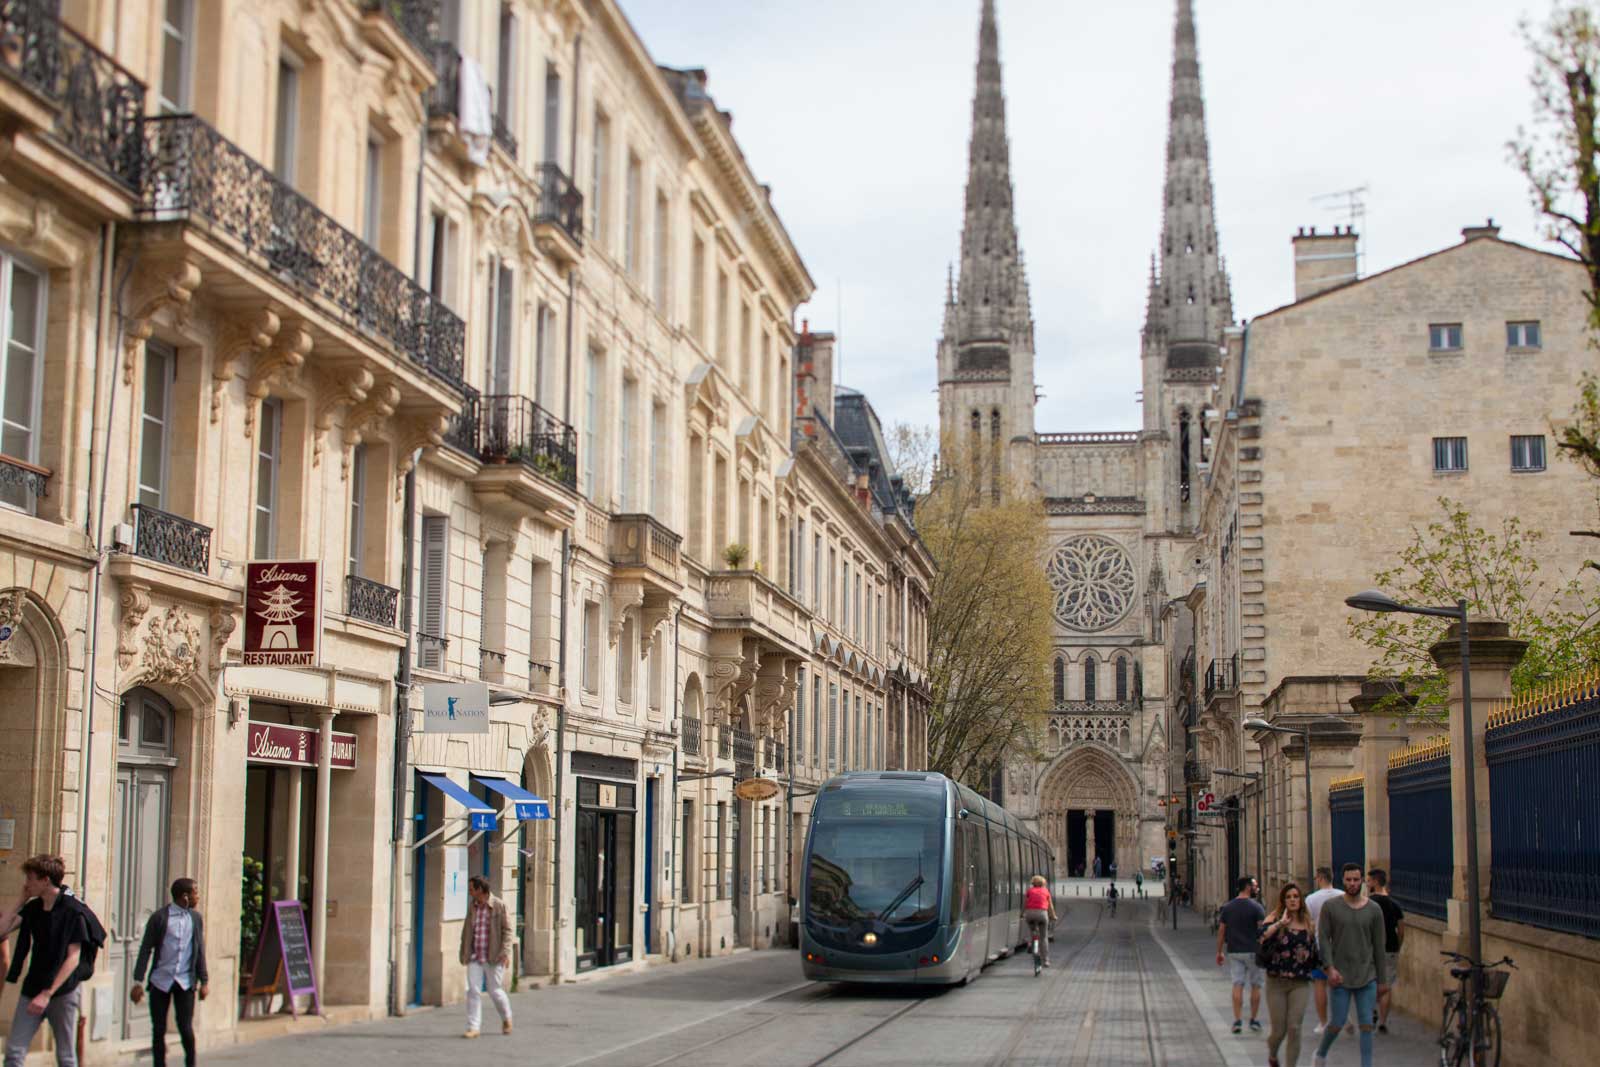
(561, 748)
(677, 719)
(402, 739)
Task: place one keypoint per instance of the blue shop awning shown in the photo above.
(527, 806)
(480, 816)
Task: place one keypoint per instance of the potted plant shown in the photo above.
(735, 555)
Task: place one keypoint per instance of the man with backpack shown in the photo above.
(60, 938)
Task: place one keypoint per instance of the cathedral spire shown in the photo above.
(993, 295)
(1195, 301)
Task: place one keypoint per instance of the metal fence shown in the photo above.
(1543, 753)
(1421, 841)
(1347, 815)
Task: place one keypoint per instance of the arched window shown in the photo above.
(994, 457)
(1183, 455)
(1122, 677)
(1061, 681)
(1088, 678)
(977, 423)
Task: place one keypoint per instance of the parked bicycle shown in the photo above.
(1469, 1033)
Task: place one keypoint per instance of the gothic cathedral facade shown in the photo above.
(1120, 513)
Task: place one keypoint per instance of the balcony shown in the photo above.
(370, 601)
(558, 223)
(195, 174)
(529, 457)
(172, 540)
(1222, 677)
(22, 484)
(444, 99)
(503, 135)
(1196, 772)
(747, 601)
(725, 743)
(691, 736)
(417, 20)
(97, 103)
(1095, 707)
(744, 753)
(643, 549)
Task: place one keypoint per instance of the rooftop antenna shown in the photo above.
(1349, 205)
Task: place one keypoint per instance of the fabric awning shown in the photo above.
(527, 807)
(480, 816)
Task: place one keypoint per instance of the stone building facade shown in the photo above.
(1121, 514)
(483, 312)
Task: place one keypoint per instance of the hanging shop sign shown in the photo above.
(282, 613)
(455, 708)
(297, 746)
(756, 789)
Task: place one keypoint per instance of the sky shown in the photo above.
(857, 113)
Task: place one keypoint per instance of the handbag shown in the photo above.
(1263, 954)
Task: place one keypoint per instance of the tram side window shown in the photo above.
(1012, 845)
(967, 855)
(985, 903)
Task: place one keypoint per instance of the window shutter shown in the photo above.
(435, 544)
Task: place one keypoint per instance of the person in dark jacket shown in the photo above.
(175, 947)
(52, 939)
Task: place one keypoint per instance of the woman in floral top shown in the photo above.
(1289, 943)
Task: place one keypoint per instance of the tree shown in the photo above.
(989, 623)
(911, 452)
(1497, 573)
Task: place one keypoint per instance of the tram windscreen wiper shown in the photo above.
(911, 887)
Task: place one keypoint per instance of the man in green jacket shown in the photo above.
(486, 950)
(1350, 932)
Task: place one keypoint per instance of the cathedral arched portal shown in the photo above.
(1089, 808)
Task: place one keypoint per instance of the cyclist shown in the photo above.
(1039, 908)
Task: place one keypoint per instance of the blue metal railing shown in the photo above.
(1347, 814)
(1420, 837)
(1544, 810)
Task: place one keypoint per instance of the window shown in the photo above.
(155, 424)
(800, 559)
(658, 459)
(1449, 453)
(435, 576)
(1060, 681)
(816, 573)
(697, 293)
(797, 734)
(597, 175)
(552, 115)
(745, 357)
(21, 384)
(1522, 335)
(591, 423)
(358, 491)
(856, 748)
(625, 658)
(505, 74)
(833, 589)
(816, 720)
(544, 379)
(285, 156)
(722, 836)
(833, 726)
(1527, 453)
(662, 260)
(1088, 678)
(697, 497)
(268, 456)
(630, 217)
(1122, 678)
(372, 224)
(502, 308)
(719, 506)
(591, 648)
(441, 257)
(686, 853)
(846, 626)
(630, 395)
(177, 29)
(723, 327)
(1444, 337)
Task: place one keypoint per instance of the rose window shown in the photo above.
(1093, 580)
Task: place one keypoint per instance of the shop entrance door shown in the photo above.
(139, 877)
(603, 874)
(741, 882)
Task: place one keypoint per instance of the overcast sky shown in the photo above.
(857, 113)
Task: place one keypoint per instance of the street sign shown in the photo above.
(481, 820)
(532, 810)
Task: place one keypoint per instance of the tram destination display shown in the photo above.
(284, 951)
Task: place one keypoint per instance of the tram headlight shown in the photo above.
(869, 938)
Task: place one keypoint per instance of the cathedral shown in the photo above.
(1120, 513)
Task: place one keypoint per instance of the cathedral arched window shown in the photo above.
(1088, 678)
(1122, 677)
(1191, 294)
(1183, 455)
(977, 422)
(994, 458)
(1124, 739)
(1061, 681)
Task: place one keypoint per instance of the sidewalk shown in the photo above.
(1193, 950)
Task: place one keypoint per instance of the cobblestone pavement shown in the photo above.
(1121, 991)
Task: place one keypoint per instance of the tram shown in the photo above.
(912, 878)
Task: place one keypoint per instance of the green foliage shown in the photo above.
(735, 554)
(1497, 573)
(252, 907)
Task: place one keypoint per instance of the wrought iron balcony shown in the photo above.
(725, 742)
(461, 433)
(99, 103)
(1196, 772)
(22, 484)
(370, 601)
(1222, 676)
(417, 19)
(171, 539)
(194, 171)
(513, 429)
(744, 753)
(691, 736)
(560, 202)
(503, 135)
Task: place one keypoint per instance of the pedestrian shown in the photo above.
(486, 950)
(1319, 979)
(174, 945)
(1351, 937)
(1097, 866)
(1289, 944)
(1113, 895)
(1138, 883)
(1238, 935)
(1394, 935)
(55, 933)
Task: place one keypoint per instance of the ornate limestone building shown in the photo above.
(1121, 517)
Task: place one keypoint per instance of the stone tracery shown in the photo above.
(1093, 579)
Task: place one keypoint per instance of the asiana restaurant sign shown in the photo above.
(297, 746)
(282, 613)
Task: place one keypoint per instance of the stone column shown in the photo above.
(1494, 653)
(1382, 733)
(1089, 850)
(319, 887)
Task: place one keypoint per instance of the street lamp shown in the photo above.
(1373, 600)
(1257, 723)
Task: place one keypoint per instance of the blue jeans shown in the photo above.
(1366, 1001)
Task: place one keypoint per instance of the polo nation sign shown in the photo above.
(282, 613)
(455, 708)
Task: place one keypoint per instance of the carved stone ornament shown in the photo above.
(14, 647)
(280, 363)
(171, 647)
(625, 597)
(223, 623)
(652, 619)
(248, 335)
(338, 396)
(170, 286)
(1093, 580)
(135, 601)
(366, 416)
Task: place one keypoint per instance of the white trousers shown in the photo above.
(492, 977)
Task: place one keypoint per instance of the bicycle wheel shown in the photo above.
(1486, 1037)
(1452, 1046)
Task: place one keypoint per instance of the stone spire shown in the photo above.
(1194, 301)
(992, 301)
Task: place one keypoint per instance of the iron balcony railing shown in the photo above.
(417, 19)
(99, 103)
(725, 743)
(691, 736)
(744, 753)
(1222, 676)
(21, 483)
(444, 99)
(192, 170)
(370, 601)
(461, 432)
(1196, 772)
(503, 135)
(513, 429)
(171, 539)
(560, 202)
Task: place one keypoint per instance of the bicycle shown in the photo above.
(1469, 1033)
(1038, 960)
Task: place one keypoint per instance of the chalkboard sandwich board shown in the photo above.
(284, 949)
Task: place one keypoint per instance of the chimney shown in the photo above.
(1324, 260)
(1472, 233)
(821, 384)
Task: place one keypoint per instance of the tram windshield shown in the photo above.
(876, 856)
